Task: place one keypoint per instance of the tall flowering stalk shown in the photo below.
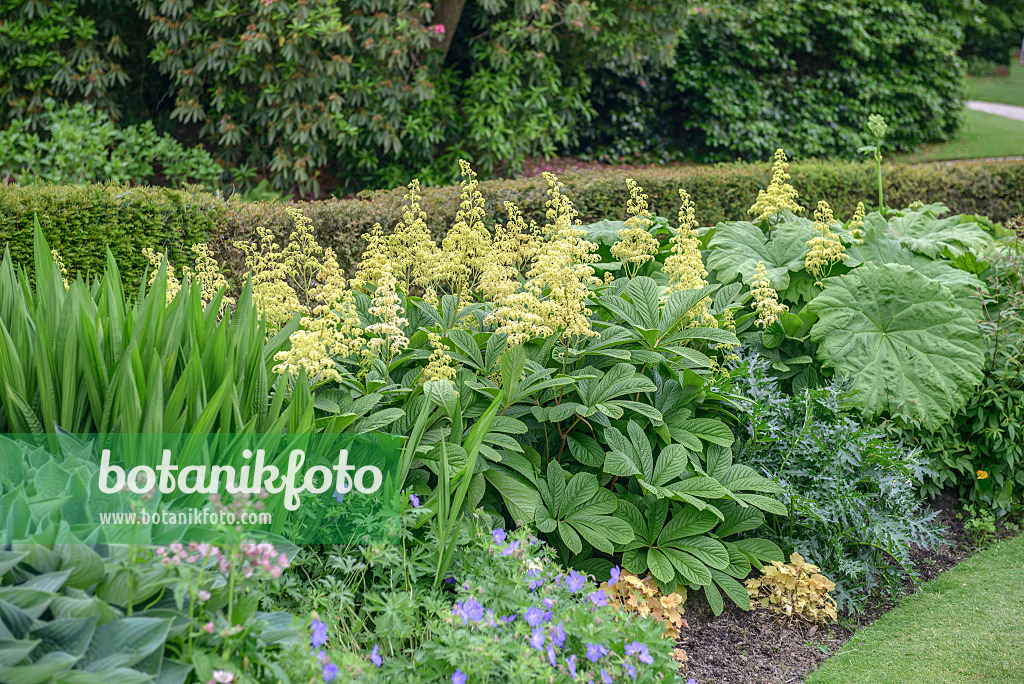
(766, 299)
(780, 195)
(825, 247)
(388, 333)
(685, 266)
(413, 253)
(467, 246)
(636, 245)
(561, 272)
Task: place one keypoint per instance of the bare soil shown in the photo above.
(758, 647)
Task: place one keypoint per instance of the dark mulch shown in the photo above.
(757, 647)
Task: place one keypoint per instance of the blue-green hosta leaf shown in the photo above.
(909, 347)
(39, 672)
(738, 246)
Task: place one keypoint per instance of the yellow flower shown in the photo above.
(685, 266)
(635, 245)
(60, 266)
(780, 195)
(207, 276)
(157, 260)
(561, 275)
(826, 249)
(413, 252)
(465, 248)
(440, 364)
(375, 256)
(856, 226)
(766, 300)
(982, 475)
(389, 332)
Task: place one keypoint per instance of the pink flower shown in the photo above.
(223, 677)
(208, 628)
(204, 595)
(437, 29)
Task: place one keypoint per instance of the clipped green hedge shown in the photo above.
(721, 193)
(81, 221)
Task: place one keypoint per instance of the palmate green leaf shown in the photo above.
(909, 347)
(882, 248)
(922, 231)
(737, 247)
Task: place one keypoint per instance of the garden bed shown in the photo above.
(757, 647)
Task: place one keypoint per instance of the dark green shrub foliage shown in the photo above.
(79, 146)
(83, 221)
(67, 49)
(811, 72)
(993, 32)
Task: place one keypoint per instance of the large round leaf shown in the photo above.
(738, 246)
(910, 349)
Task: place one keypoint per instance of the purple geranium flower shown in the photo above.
(330, 672)
(595, 652)
(616, 571)
(535, 583)
(575, 581)
(318, 635)
(499, 535)
(605, 677)
(510, 549)
(571, 662)
(558, 635)
(470, 610)
(640, 651)
(534, 616)
(551, 654)
(415, 500)
(375, 657)
(537, 638)
(458, 677)
(598, 598)
(630, 670)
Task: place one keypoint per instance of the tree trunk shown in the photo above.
(448, 13)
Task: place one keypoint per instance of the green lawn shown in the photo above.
(1004, 89)
(965, 626)
(983, 135)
